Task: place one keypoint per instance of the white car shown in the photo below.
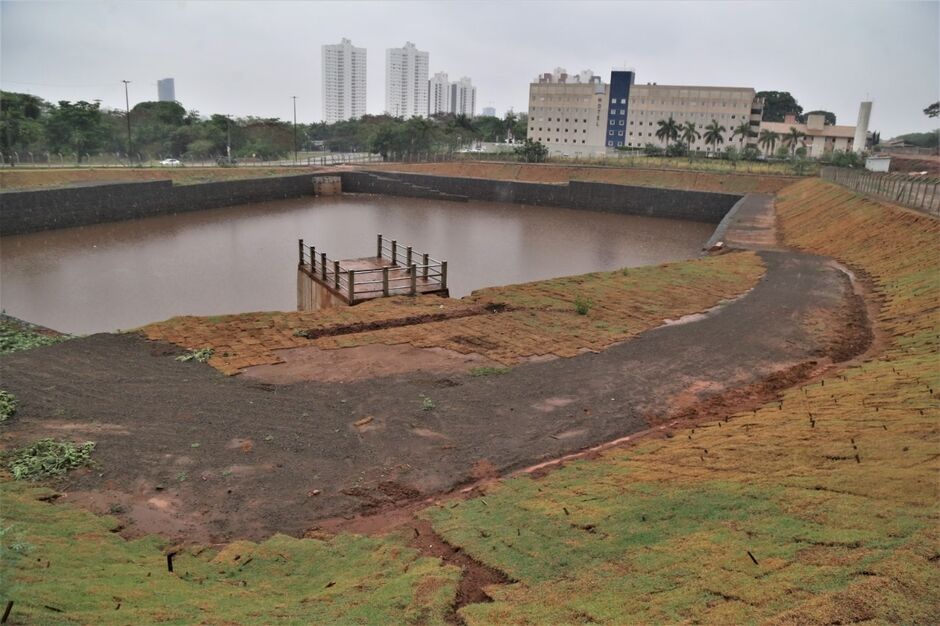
(171, 162)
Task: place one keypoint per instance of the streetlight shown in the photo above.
(127, 105)
(295, 129)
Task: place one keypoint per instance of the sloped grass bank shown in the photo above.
(63, 565)
(560, 316)
(818, 509)
(643, 176)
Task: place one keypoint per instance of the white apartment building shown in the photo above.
(463, 97)
(406, 82)
(344, 81)
(580, 115)
(166, 90)
(439, 94)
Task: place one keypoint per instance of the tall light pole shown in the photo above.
(127, 105)
(295, 129)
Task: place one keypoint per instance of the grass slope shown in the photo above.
(833, 491)
(643, 176)
(62, 565)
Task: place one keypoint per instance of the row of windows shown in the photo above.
(549, 140)
(559, 130)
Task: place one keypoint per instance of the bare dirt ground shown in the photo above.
(189, 453)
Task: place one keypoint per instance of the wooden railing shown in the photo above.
(408, 273)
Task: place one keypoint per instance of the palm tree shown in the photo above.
(742, 130)
(791, 139)
(668, 130)
(690, 134)
(768, 140)
(713, 134)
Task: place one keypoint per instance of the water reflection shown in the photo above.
(125, 274)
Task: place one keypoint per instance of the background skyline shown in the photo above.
(248, 58)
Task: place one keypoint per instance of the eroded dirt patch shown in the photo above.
(362, 362)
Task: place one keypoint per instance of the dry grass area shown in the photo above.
(549, 173)
(561, 317)
(24, 178)
(246, 339)
(817, 509)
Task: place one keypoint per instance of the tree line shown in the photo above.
(31, 125)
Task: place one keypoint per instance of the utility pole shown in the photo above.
(295, 129)
(127, 105)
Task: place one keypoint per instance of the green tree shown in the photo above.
(668, 130)
(714, 134)
(532, 151)
(743, 130)
(767, 140)
(21, 128)
(830, 116)
(76, 128)
(689, 134)
(778, 104)
(933, 110)
(792, 139)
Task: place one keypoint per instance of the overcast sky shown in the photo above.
(249, 58)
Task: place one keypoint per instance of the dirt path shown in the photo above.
(190, 453)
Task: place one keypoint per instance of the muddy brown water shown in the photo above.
(238, 259)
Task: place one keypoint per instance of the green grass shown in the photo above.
(7, 405)
(202, 355)
(15, 336)
(48, 458)
(486, 370)
(76, 563)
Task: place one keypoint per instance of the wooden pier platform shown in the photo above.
(394, 270)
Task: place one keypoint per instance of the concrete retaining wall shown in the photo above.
(46, 209)
(700, 206)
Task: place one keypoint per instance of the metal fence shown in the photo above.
(918, 193)
(56, 160)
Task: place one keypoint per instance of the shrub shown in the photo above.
(48, 457)
(651, 149)
(582, 305)
(7, 405)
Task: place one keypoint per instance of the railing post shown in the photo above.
(300, 250)
(414, 279)
(378, 247)
(385, 281)
(323, 265)
(408, 256)
(350, 281)
(313, 260)
(394, 252)
(424, 261)
(443, 274)
(336, 275)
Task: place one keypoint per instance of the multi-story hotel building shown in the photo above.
(344, 81)
(406, 82)
(581, 115)
(438, 94)
(569, 116)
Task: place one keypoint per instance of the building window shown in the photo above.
(611, 122)
(610, 132)
(620, 133)
(610, 143)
